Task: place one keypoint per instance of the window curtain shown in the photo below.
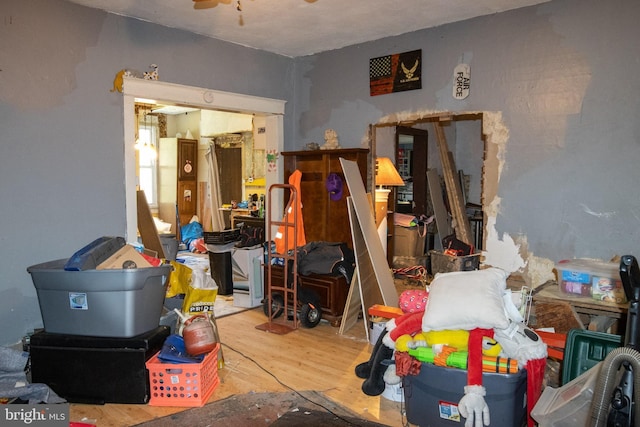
(213, 188)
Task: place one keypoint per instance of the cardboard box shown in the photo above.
(126, 257)
(408, 242)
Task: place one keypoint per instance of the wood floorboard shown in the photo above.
(318, 359)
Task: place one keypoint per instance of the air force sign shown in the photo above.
(461, 81)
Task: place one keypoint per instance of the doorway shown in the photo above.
(271, 110)
(470, 143)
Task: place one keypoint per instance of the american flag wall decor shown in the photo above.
(395, 73)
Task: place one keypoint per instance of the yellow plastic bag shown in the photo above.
(201, 293)
(197, 301)
(179, 279)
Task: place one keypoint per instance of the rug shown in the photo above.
(288, 409)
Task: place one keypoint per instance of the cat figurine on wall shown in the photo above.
(118, 81)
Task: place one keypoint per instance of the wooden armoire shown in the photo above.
(324, 219)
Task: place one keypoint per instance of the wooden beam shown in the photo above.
(440, 211)
(454, 192)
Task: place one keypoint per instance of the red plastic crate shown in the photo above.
(183, 384)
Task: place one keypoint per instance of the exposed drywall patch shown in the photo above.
(505, 253)
(502, 253)
(409, 117)
(538, 271)
(496, 134)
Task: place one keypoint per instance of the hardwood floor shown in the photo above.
(318, 359)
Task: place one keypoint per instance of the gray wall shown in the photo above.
(561, 73)
(61, 144)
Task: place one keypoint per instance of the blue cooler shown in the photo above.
(431, 397)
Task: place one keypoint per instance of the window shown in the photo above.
(147, 145)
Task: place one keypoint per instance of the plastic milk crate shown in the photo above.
(183, 384)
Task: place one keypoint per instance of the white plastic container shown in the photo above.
(593, 278)
(569, 405)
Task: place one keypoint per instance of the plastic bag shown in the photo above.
(201, 293)
(191, 231)
(174, 351)
(179, 279)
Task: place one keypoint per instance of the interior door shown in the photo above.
(411, 161)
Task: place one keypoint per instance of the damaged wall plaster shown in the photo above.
(500, 251)
(503, 253)
(512, 256)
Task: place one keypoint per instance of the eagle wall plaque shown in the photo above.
(395, 73)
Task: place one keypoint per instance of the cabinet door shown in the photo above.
(313, 195)
(324, 219)
(187, 200)
(230, 173)
(187, 159)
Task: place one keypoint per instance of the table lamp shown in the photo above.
(386, 176)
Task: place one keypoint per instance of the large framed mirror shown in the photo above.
(411, 161)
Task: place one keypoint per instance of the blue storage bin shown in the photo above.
(431, 397)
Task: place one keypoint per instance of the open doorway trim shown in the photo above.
(272, 109)
(495, 136)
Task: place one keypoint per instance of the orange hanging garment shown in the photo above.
(293, 239)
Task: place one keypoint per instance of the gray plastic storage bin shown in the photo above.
(100, 303)
(432, 397)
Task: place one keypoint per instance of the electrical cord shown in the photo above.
(349, 422)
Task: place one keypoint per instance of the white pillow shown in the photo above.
(466, 300)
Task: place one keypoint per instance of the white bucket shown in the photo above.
(395, 393)
(377, 328)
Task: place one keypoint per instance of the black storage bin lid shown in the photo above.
(147, 340)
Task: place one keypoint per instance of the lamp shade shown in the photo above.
(386, 173)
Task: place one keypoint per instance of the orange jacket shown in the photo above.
(293, 240)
